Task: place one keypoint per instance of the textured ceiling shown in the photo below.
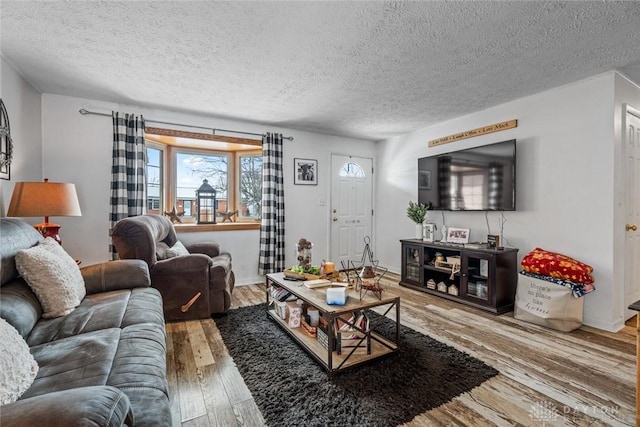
(366, 69)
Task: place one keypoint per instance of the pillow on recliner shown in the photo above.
(163, 251)
(53, 276)
(18, 368)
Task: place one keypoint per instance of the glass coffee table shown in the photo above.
(334, 357)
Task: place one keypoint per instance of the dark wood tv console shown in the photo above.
(483, 278)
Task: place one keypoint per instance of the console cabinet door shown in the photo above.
(477, 282)
(412, 261)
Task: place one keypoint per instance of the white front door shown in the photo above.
(632, 208)
(351, 207)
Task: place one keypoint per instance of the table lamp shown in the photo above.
(44, 199)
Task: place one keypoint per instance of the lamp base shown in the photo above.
(49, 229)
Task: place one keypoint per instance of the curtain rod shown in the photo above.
(85, 112)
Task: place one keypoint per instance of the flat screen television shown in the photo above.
(475, 179)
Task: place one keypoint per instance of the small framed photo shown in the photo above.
(458, 235)
(306, 172)
(424, 180)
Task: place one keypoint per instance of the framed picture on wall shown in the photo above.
(306, 172)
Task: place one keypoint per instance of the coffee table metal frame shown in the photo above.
(330, 360)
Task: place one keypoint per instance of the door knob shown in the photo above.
(335, 219)
(631, 227)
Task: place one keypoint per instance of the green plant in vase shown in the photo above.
(417, 212)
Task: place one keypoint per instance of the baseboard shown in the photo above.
(604, 325)
(249, 280)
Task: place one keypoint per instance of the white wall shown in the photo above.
(77, 149)
(565, 182)
(569, 177)
(23, 107)
(626, 92)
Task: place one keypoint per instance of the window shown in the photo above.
(154, 179)
(191, 169)
(352, 170)
(250, 185)
(233, 169)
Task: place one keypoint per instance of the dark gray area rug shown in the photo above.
(291, 389)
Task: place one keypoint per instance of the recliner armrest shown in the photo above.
(182, 264)
(208, 248)
(85, 406)
(116, 275)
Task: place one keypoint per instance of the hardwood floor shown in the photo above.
(547, 378)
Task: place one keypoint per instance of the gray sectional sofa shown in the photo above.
(105, 362)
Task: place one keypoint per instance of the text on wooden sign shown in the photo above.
(496, 127)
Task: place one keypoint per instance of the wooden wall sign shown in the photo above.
(496, 127)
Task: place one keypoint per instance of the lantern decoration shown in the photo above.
(366, 274)
(206, 203)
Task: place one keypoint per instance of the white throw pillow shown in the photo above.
(177, 250)
(53, 276)
(18, 368)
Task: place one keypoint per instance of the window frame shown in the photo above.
(238, 182)
(163, 174)
(169, 173)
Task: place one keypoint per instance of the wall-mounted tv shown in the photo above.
(475, 179)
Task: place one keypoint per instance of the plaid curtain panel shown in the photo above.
(272, 226)
(128, 184)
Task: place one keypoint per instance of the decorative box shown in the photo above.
(442, 287)
(348, 341)
(295, 313)
(431, 284)
(453, 290)
(337, 296)
(453, 260)
(280, 307)
(321, 334)
(309, 330)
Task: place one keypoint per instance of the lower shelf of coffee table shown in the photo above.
(380, 347)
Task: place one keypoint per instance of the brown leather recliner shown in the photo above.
(179, 279)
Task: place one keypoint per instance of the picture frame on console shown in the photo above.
(457, 235)
(306, 172)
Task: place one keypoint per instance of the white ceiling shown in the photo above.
(366, 69)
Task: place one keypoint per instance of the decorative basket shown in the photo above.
(309, 330)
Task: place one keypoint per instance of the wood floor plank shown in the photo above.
(248, 414)
(586, 376)
(192, 404)
(172, 380)
(219, 408)
(199, 344)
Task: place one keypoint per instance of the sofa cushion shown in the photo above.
(102, 406)
(78, 361)
(133, 359)
(115, 309)
(19, 306)
(16, 235)
(54, 277)
(18, 368)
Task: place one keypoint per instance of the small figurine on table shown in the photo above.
(174, 216)
(228, 216)
(304, 253)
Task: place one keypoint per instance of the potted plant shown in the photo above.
(417, 212)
